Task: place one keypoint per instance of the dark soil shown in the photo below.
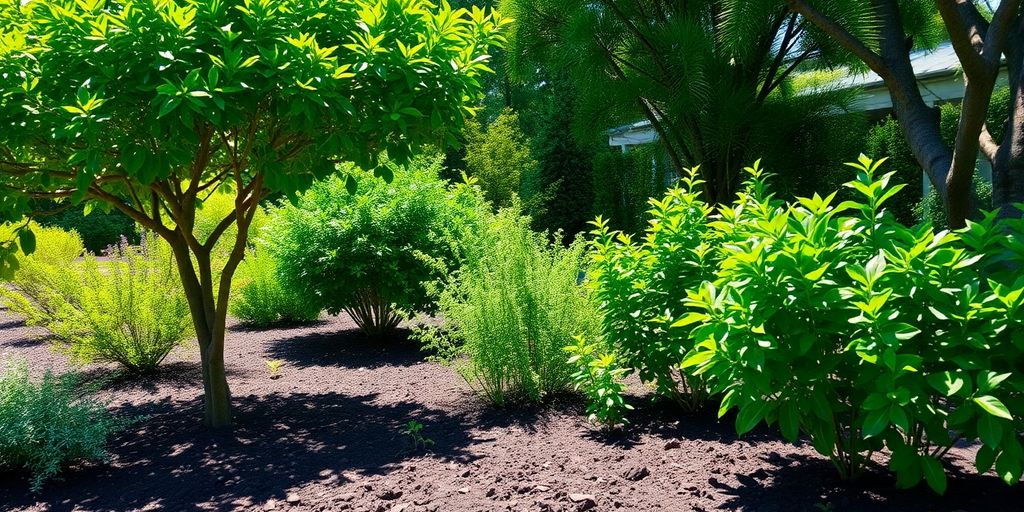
(326, 436)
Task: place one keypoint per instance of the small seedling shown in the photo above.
(414, 431)
(274, 366)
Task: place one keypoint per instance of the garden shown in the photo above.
(384, 255)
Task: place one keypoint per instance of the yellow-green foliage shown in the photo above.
(42, 280)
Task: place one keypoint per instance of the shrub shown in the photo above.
(839, 322)
(99, 229)
(46, 278)
(641, 288)
(131, 311)
(510, 311)
(262, 299)
(372, 252)
(599, 376)
(499, 157)
(128, 309)
(46, 425)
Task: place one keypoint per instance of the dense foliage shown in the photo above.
(127, 309)
(511, 310)
(262, 299)
(149, 106)
(99, 230)
(372, 252)
(498, 157)
(599, 376)
(641, 287)
(48, 424)
(839, 322)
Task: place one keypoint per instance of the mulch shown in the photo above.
(326, 436)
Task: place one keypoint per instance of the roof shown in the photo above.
(939, 61)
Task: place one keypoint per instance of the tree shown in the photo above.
(712, 77)
(882, 33)
(150, 106)
(498, 156)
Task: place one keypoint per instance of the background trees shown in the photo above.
(882, 34)
(712, 77)
(149, 107)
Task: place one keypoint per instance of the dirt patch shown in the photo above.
(326, 436)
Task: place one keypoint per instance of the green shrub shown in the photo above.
(510, 311)
(499, 157)
(262, 300)
(98, 229)
(46, 425)
(372, 252)
(599, 376)
(839, 322)
(46, 278)
(641, 288)
(128, 309)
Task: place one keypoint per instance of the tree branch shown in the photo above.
(987, 144)
(841, 35)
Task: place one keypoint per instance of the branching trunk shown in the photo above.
(1008, 164)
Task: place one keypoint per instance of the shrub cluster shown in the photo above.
(47, 424)
(261, 298)
(839, 322)
(372, 250)
(511, 310)
(127, 308)
(640, 288)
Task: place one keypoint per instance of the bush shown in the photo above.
(511, 310)
(99, 229)
(46, 425)
(841, 323)
(372, 252)
(261, 298)
(599, 376)
(46, 278)
(641, 289)
(129, 309)
(499, 158)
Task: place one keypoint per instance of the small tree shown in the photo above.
(150, 106)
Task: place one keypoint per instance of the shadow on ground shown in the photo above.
(347, 348)
(279, 442)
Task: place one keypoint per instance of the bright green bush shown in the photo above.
(46, 425)
(511, 309)
(599, 376)
(262, 300)
(641, 288)
(499, 157)
(127, 309)
(839, 322)
(46, 278)
(372, 252)
(131, 310)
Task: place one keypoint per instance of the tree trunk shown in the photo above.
(217, 394)
(1008, 164)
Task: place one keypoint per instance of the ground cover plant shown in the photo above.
(511, 309)
(372, 253)
(49, 423)
(838, 322)
(148, 107)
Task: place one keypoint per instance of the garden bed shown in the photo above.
(326, 435)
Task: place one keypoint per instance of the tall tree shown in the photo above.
(711, 76)
(150, 106)
(882, 33)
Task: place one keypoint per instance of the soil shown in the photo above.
(326, 436)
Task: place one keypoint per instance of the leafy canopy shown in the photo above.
(136, 102)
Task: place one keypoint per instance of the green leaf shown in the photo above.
(351, 185)
(749, 416)
(934, 474)
(987, 381)
(789, 421)
(875, 422)
(990, 430)
(27, 241)
(984, 459)
(993, 406)
(947, 383)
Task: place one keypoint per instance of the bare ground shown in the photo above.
(326, 436)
